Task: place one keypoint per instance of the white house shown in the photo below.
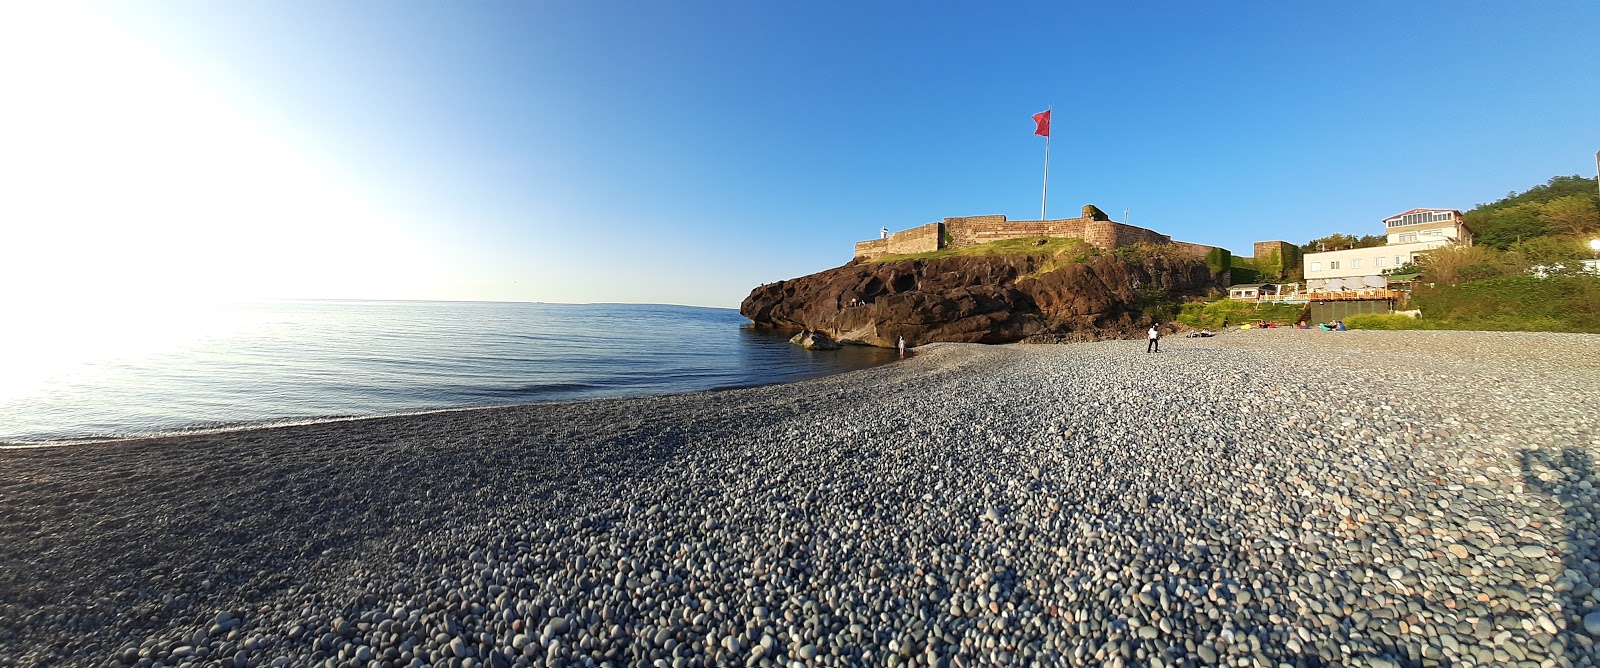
(1409, 235)
(1250, 292)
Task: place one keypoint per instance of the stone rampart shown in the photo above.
(1108, 235)
(924, 239)
(975, 230)
(1276, 259)
(1093, 227)
(1193, 249)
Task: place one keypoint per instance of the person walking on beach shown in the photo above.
(1154, 346)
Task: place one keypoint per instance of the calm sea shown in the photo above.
(217, 366)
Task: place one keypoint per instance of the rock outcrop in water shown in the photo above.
(983, 299)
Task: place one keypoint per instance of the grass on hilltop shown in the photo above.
(1057, 251)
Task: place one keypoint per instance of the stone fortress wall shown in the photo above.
(924, 239)
(1276, 259)
(1094, 227)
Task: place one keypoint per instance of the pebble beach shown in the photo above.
(1261, 498)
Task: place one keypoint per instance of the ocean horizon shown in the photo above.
(238, 365)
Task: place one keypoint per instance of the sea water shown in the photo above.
(180, 368)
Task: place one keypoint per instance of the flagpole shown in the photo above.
(1044, 197)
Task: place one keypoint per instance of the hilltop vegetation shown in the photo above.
(1564, 206)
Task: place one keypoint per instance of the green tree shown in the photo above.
(1340, 241)
(1556, 188)
(1520, 216)
(1571, 215)
(1549, 251)
(1503, 226)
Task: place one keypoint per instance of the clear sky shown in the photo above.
(685, 152)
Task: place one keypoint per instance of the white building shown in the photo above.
(1409, 235)
(1427, 226)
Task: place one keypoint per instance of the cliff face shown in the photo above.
(983, 299)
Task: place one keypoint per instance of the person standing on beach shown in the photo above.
(1155, 340)
(902, 346)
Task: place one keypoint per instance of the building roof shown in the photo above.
(1402, 213)
(1257, 286)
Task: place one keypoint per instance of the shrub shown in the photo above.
(1407, 268)
(1227, 312)
(1455, 264)
(1383, 321)
(1563, 303)
(1159, 305)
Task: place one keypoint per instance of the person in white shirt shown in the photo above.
(1154, 346)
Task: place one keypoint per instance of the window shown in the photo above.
(1333, 265)
(1379, 262)
(1408, 237)
(1355, 264)
(1433, 233)
(1398, 261)
(1316, 266)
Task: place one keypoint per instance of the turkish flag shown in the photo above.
(1043, 119)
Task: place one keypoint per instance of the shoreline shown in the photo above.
(997, 504)
(273, 423)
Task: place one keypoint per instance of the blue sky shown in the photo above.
(686, 152)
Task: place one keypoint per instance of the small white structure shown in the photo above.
(1250, 292)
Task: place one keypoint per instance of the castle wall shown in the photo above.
(1276, 259)
(1107, 235)
(1093, 227)
(1194, 250)
(924, 239)
(975, 230)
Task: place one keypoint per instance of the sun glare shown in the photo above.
(67, 342)
(125, 177)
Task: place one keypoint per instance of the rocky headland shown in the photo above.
(1085, 505)
(984, 298)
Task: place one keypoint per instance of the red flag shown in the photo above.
(1043, 119)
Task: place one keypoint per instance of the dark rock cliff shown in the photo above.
(982, 299)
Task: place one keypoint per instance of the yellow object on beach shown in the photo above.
(1244, 327)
